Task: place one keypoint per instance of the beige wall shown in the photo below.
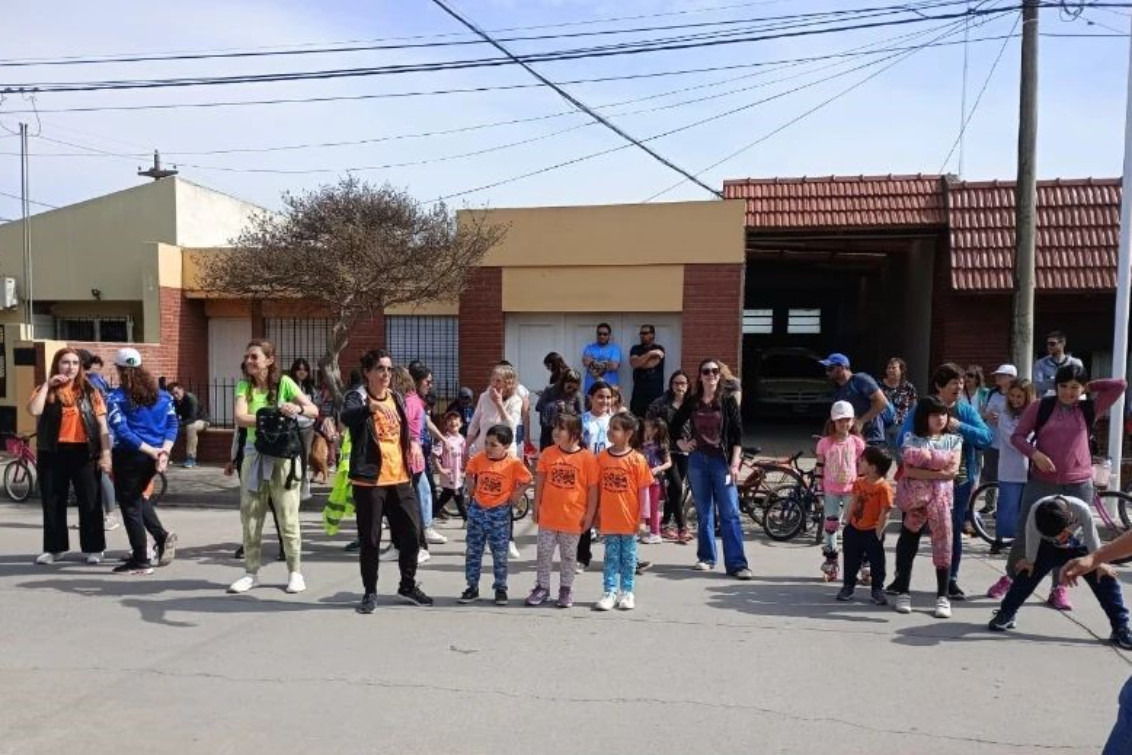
(656, 288)
(667, 233)
(206, 217)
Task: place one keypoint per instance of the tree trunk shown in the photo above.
(339, 338)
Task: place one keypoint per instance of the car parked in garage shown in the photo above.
(790, 382)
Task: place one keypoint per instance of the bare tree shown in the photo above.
(351, 249)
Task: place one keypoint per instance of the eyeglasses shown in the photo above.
(709, 371)
(603, 332)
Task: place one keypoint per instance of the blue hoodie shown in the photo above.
(133, 425)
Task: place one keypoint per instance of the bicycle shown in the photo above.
(793, 509)
(21, 474)
(757, 487)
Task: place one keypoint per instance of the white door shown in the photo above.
(227, 340)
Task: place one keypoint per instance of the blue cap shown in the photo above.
(835, 360)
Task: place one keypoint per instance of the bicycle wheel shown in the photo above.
(981, 513)
(785, 516)
(160, 483)
(19, 480)
(1113, 509)
(753, 505)
(520, 509)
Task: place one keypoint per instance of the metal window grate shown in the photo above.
(758, 321)
(95, 329)
(434, 340)
(803, 322)
(295, 337)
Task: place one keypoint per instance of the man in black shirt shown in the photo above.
(193, 419)
(647, 361)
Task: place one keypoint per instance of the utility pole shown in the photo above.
(1123, 283)
(25, 208)
(1026, 195)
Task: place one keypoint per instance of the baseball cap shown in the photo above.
(128, 358)
(835, 360)
(1006, 369)
(466, 392)
(841, 410)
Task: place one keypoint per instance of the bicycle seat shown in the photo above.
(752, 450)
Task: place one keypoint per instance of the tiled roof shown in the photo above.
(1078, 234)
(840, 202)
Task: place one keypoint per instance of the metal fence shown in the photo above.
(432, 339)
(295, 337)
(100, 329)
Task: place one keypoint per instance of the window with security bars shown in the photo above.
(97, 329)
(295, 337)
(803, 322)
(432, 339)
(758, 321)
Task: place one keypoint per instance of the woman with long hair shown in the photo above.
(144, 423)
(426, 490)
(665, 408)
(71, 433)
(268, 479)
(714, 454)
(500, 404)
(561, 397)
(381, 452)
(901, 395)
(301, 373)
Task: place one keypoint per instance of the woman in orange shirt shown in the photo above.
(71, 435)
(623, 493)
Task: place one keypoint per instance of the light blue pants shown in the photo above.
(424, 496)
(832, 506)
(620, 560)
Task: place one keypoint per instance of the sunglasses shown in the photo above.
(1053, 344)
(709, 371)
(603, 332)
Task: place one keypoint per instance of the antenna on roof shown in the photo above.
(157, 172)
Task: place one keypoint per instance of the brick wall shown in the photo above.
(184, 337)
(158, 360)
(713, 315)
(481, 325)
(367, 334)
(971, 329)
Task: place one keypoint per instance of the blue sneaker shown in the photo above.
(190, 462)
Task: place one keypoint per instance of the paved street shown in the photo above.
(705, 664)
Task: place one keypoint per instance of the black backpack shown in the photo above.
(278, 435)
(1088, 408)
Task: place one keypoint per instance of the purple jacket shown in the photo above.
(1064, 438)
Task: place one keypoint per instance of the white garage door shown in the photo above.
(529, 337)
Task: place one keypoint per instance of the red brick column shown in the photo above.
(184, 337)
(713, 315)
(367, 334)
(481, 325)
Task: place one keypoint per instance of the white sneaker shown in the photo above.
(111, 523)
(651, 539)
(579, 567)
(702, 566)
(607, 602)
(903, 603)
(512, 549)
(94, 559)
(432, 537)
(296, 583)
(390, 554)
(244, 583)
(943, 608)
(423, 556)
(49, 558)
(627, 602)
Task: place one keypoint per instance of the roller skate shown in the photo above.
(866, 576)
(829, 567)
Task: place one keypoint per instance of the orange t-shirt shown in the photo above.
(619, 497)
(870, 501)
(387, 430)
(495, 481)
(71, 427)
(566, 482)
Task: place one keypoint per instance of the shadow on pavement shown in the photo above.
(794, 600)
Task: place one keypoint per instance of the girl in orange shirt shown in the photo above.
(624, 480)
(565, 504)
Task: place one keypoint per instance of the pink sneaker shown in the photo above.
(1000, 588)
(1059, 599)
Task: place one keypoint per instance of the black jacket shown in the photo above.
(731, 431)
(365, 453)
(48, 424)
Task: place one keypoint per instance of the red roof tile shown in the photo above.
(840, 202)
(1078, 234)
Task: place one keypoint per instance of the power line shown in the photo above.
(979, 98)
(555, 56)
(32, 201)
(578, 103)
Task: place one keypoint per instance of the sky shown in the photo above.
(905, 119)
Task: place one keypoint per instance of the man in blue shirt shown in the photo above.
(1045, 369)
(601, 359)
(860, 390)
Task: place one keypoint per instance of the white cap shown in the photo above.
(128, 358)
(1006, 369)
(842, 410)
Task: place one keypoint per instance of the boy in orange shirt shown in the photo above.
(624, 480)
(565, 499)
(497, 479)
(868, 516)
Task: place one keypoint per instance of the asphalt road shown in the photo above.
(93, 662)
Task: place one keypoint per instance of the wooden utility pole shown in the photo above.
(1026, 197)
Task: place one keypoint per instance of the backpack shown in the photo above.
(1088, 408)
(278, 435)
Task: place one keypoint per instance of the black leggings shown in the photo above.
(906, 548)
(448, 494)
(133, 472)
(674, 500)
(399, 504)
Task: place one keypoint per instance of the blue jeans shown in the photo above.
(620, 561)
(489, 526)
(708, 477)
(1009, 508)
(1120, 740)
(958, 518)
(1106, 589)
(424, 498)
